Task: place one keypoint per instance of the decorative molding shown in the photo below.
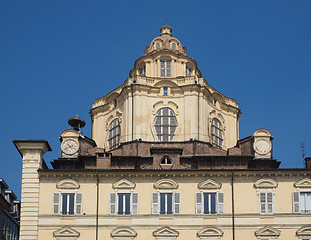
(209, 184)
(304, 232)
(66, 232)
(303, 183)
(210, 231)
(123, 231)
(268, 231)
(166, 232)
(124, 184)
(265, 183)
(67, 184)
(165, 184)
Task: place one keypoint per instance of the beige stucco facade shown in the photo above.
(150, 174)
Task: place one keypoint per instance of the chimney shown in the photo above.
(308, 162)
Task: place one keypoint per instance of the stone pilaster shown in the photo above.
(32, 152)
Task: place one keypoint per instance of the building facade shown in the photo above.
(165, 162)
(10, 213)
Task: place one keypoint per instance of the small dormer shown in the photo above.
(10, 197)
(3, 187)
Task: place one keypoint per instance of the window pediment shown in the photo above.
(266, 183)
(166, 184)
(267, 231)
(124, 184)
(304, 231)
(166, 232)
(66, 232)
(209, 184)
(210, 232)
(303, 183)
(123, 232)
(68, 184)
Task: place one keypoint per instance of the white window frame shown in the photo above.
(297, 202)
(217, 133)
(165, 127)
(166, 68)
(219, 202)
(156, 203)
(58, 203)
(114, 203)
(166, 159)
(265, 206)
(114, 133)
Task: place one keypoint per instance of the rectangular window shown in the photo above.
(305, 202)
(165, 68)
(165, 203)
(266, 202)
(67, 203)
(209, 203)
(188, 71)
(123, 203)
(142, 71)
(165, 91)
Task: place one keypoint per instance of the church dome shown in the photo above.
(165, 42)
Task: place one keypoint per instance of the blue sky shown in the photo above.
(57, 57)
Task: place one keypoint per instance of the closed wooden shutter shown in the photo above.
(56, 203)
(177, 203)
(113, 203)
(296, 202)
(78, 201)
(220, 203)
(155, 203)
(134, 203)
(270, 207)
(199, 203)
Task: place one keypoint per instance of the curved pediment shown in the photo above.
(123, 232)
(210, 232)
(303, 183)
(209, 184)
(123, 184)
(165, 184)
(67, 184)
(265, 183)
(66, 232)
(304, 232)
(165, 232)
(267, 231)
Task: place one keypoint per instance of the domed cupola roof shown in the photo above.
(165, 42)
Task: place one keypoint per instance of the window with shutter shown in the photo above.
(67, 203)
(209, 203)
(176, 203)
(266, 202)
(302, 202)
(123, 203)
(165, 124)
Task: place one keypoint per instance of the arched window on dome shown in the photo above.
(217, 134)
(165, 124)
(114, 134)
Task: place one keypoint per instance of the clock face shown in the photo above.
(262, 147)
(70, 147)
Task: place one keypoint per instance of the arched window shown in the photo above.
(217, 135)
(166, 160)
(165, 124)
(114, 134)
